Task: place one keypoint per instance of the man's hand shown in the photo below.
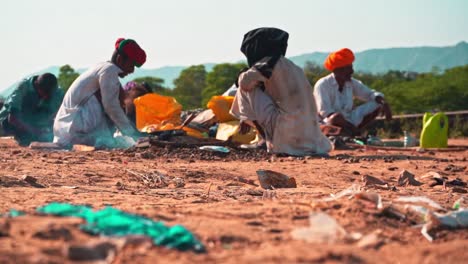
(380, 100)
(244, 128)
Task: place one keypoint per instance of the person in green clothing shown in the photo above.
(28, 113)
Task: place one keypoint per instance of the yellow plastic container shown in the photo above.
(435, 131)
(220, 105)
(157, 111)
(231, 129)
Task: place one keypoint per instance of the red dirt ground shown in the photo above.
(236, 221)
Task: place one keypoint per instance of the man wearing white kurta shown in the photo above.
(335, 92)
(91, 107)
(284, 107)
(330, 100)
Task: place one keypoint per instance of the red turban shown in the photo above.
(337, 59)
(130, 48)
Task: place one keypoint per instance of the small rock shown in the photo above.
(369, 180)
(101, 251)
(271, 179)
(54, 233)
(29, 179)
(254, 192)
(407, 178)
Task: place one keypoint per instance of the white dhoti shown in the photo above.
(286, 110)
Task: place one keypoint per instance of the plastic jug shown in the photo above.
(157, 110)
(435, 131)
(220, 105)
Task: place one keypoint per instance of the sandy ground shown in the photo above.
(237, 221)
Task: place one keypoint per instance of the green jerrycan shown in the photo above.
(435, 131)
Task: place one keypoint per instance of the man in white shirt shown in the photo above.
(91, 108)
(334, 95)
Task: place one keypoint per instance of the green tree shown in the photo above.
(155, 84)
(66, 76)
(220, 79)
(314, 72)
(189, 86)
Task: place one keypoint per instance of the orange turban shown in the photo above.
(337, 59)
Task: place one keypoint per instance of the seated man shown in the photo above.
(28, 113)
(91, 109)
(334, 95)
(275, 95)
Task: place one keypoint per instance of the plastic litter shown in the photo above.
(114, 222)
(461, 203)
(215, 149)
(350, 192)
(13, 213)
(409, 140)
(322, 229)
(420, 200)
(456, 219)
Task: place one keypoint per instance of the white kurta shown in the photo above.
(330, 100)
(81, 119)
(286, 110)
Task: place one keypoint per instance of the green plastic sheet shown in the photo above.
(110, 221)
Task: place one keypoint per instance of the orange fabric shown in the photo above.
(337, 59)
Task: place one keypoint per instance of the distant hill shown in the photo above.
(417, 59)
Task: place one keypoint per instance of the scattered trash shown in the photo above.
(13, 213)
(374, 141)
(461, 203)
(374, 198)
(420, 200)
(350, 191)
(272, 179)
(407, 178)
(70, 187)
(409, 140)
(152, 180)
(371, 240)
(83, 148)
(215, 149)
(456, 219)
(322, 229)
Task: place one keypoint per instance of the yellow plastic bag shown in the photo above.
(157, 112)
(435, 131)
(220, 105)
(231, 129)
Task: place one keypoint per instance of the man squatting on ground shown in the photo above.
(334, 95)
(275, 95)
(92, 107)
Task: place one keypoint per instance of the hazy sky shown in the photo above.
(38, 34)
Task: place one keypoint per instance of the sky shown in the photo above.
(39, 34)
